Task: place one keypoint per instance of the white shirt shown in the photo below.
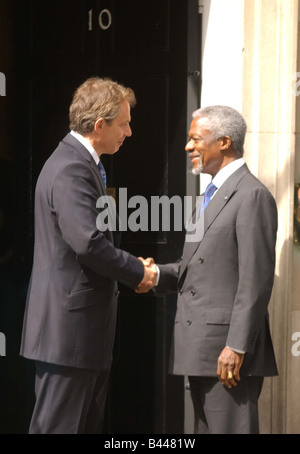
(87, 145)
(226, 172)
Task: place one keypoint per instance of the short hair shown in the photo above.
(225, 121)
(97, 98)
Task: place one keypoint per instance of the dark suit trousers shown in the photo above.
(219, 410)
(68, 400)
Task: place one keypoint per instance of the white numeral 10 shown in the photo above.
(104, 19)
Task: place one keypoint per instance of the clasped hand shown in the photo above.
(150, 276)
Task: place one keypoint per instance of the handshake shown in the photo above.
(150, 276)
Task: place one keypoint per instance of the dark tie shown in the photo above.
(209, 191)
(116, 234)
(102, 172)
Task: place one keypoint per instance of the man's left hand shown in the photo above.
(229, 364)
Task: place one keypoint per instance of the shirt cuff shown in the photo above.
(236, 350)
(158, 275)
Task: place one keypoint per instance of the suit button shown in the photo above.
(193, 293)
(201, 259)
(189, 322)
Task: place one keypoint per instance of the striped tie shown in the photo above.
(209, 191)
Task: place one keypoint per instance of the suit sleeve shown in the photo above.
(74, 198)
(168, 279)
(256, 227)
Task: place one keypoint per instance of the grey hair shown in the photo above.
(225, 121)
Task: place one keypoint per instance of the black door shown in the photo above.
(145, 45)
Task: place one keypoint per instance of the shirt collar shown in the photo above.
(227, 171)
(87, 145)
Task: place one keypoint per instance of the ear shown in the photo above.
(225, 143)
(98, 124)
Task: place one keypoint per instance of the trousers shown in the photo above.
(219, 410)
(68, 400)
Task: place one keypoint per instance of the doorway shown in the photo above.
(54, 46)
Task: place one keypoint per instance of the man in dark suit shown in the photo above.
(70, 316)
(224, 281)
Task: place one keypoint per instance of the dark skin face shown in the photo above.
(208, 154)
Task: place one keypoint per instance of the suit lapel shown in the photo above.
(219, 201)
(96, 172)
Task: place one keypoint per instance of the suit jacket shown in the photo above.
(70, 313)
(224, 282)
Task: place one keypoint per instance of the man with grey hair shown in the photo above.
(224, 282)
(70, 316)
